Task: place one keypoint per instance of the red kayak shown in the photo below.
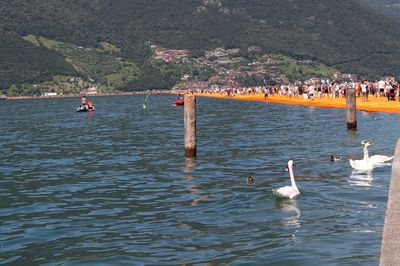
(179, 102)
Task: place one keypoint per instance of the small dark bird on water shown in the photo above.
(250, 179)
(335, 158)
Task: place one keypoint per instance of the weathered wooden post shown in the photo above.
(351, 110)
(190, 125)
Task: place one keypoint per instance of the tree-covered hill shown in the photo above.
(348, 35)
(387, 7)
(21, 61)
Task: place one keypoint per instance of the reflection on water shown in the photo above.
(190, 164)
(352, 133)
(361, 178)
(290, 208)
(196, 190)
(90, 115)
(370, 114)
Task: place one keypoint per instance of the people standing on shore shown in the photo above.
(364, 95)
(315, 89)
(370, 89)
(381, 86)
(398, 92)
(357, 88)
(336, 89)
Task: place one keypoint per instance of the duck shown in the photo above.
(335, 158)
(365, 164)
(288, 191)
(250, 179)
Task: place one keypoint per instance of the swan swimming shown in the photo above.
(365, 163)
(288, 191)
(368, 163)
(376, 159)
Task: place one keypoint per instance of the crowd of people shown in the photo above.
(390, 89)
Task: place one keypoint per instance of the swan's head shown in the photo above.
(366, 143)
(289, 165)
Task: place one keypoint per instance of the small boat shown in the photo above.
(179, 102)
(83, 109)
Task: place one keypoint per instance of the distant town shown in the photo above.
(231, 67)
(224, 68)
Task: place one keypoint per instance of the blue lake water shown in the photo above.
(112, 187)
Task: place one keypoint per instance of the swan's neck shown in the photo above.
(366, 155)
(292, 181)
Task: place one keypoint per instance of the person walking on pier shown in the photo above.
(363, 85)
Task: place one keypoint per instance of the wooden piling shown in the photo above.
(190, 125)
(351, 110)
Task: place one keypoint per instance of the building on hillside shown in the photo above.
(217, 79)
(281, 79)
(169, 56)
(233, 51)
(90, 91)
(217, 52)
(191, 85)
(185, 77)
(313, 80)
(50, 94)
(254, 49)
(341, 76)
(223, 61)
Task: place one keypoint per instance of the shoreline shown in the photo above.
(90, 95)
(379, 104)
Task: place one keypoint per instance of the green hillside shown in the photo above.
(387, 7)
(21, 61)
(103, 65)
(346, 34)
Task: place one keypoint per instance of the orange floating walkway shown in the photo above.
(379, 104)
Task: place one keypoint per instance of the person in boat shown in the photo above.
(90, 105)
(179, 97)
(84, 102)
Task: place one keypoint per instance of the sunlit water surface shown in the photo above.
(112, 187)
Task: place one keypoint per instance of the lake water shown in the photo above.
(112, 187)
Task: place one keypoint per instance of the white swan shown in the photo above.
(368, 163)
(363, 164)
(288, 191)
(377, 159)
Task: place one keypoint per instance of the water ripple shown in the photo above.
(112, 187)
